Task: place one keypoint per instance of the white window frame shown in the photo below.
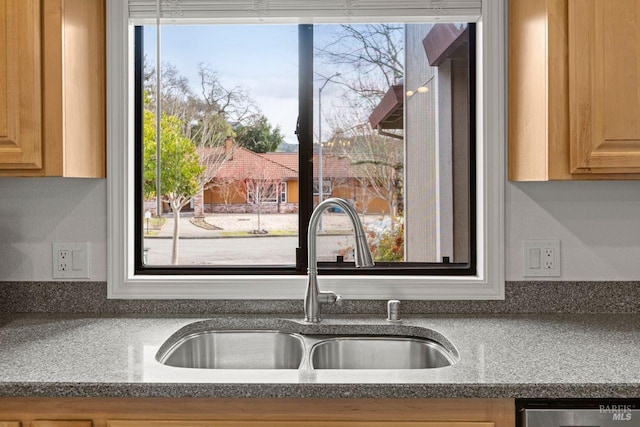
(488, 283)
(273, 201)
(283, 192)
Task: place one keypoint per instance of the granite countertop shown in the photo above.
(541, 356)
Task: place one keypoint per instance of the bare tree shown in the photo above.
(366, 196)
(376, 163)
(207, 116)
(235, 104)
(379, 161)
(213, 159)
(374, 51)
(175, 92)
(370, 59)
(227, 189)
(261, 189)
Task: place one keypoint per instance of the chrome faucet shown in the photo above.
(313, 297)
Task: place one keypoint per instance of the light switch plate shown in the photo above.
(541, 258)
(70, 260)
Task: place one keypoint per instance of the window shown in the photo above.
(326, 188)
(394, 135)
(366, 144)
(263, 193)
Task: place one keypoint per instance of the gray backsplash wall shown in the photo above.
(520, 297)
(597, 222)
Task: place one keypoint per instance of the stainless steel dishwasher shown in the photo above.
(578, 412)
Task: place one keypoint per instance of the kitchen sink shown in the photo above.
(285, 344)
(379, 353)
(243, 349)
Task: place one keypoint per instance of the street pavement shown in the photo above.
(198, 246)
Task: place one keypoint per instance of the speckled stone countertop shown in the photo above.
(537, 356)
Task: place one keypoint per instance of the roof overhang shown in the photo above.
(443, 40)
(389, 114)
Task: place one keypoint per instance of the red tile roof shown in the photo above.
(281, 166)
(245, 164)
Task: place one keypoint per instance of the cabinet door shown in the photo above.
(20, 85)
(138, 423)
(61, 423)
(9, 424)
(604, 85)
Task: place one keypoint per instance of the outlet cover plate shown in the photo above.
(77, 268)
(548, 264)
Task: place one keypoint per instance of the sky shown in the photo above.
(263, 59)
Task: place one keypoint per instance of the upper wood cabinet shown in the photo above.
(52, 88)
(604, 85)
(574, 89)
(20, 85)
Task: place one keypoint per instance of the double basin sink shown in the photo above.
(217, 348)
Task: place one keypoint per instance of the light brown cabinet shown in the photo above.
(212, 412)
(574, 89)
(52, 88)
(61, 423)
(20, 85)
(136, 423)
(9, 424)
(604, 85)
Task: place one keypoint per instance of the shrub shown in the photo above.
(390, 247)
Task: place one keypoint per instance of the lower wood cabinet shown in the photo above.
(209, 412)
(48, 423)
(61, 423)
(137, 423)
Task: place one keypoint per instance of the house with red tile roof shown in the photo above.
(246, 179)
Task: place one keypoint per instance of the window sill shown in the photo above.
(293, 287)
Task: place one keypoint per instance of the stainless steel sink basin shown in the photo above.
(379, 353)
(231, 343)
(229, 349)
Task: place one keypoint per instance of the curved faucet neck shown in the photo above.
(313, 297)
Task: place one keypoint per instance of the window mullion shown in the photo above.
(139, 142)
(305, 139)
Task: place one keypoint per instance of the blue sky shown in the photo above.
(261, 59)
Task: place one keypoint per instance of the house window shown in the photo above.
(225, 134)
(326, 188)
(263, 192)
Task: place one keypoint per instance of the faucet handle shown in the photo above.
(328, 297)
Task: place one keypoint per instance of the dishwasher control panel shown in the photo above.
(578, 412)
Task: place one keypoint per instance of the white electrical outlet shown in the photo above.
(63, 259)
(541, 258)
(70, 260)
(548, 258)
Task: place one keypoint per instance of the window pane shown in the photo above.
(229, 162)
(392, 126)
(392, 137)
